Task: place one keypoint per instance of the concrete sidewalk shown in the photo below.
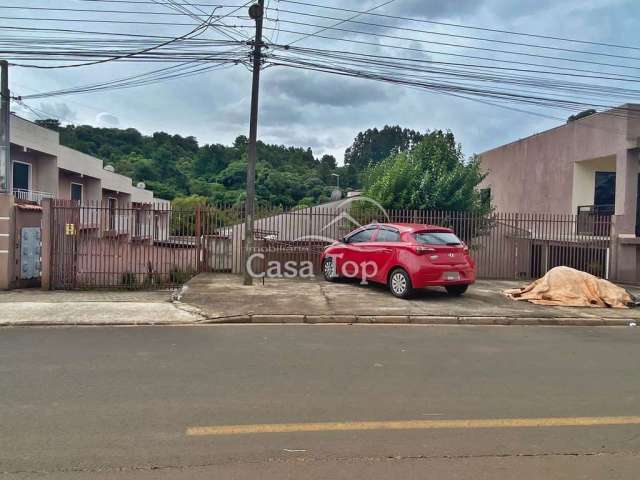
(223, 298)
(32, 307)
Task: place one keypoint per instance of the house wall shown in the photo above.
(536, 174)
(30, 135)
(76, 161)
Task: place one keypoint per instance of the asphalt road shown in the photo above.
(120, 403)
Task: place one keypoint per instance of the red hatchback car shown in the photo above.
(404, 256)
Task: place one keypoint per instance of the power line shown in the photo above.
(462, 78)
(91, 32)
(93, 10)
(150, 2)
(397, 66)
(117, 22)
(457, 25)
(331, 53)
(509, 52)
(143, 79)
(540, 100)
(203, 25)
(459, 55)
(467, 37)
(341, 21)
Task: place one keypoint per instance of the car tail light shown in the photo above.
(422, 250)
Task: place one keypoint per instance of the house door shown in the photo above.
(21, 174)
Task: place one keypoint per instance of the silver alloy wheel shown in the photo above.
(328, 269)
(398, 283)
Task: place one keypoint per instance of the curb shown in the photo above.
(301, 319)
(130, 323)
(421, 320)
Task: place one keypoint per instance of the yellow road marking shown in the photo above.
(413, 425)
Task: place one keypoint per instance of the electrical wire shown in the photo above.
(340, 22)
(466, 37)
(203, 25)
(470, 27)
(493, 50)
(459, 55)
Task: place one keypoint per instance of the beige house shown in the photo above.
(588, 166)
(42, 169)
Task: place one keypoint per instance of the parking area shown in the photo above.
(223, 297)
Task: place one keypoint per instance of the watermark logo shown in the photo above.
(272, 262)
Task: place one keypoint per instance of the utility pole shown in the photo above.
(5, 142)
(256, 11)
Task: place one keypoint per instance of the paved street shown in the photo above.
(166, 402)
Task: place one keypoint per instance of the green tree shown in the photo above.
(327, 166)
(432, 175)
(373, 145)
(175, 166)
(578, 116)
(183, 215)
(50, 123)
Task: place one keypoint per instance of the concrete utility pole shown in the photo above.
(256, 11)
(5, 142)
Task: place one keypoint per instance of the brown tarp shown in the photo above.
(568, 287)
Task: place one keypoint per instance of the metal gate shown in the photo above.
(131, 246)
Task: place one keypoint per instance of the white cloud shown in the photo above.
(108, 120)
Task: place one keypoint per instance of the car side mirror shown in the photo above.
(344, 240)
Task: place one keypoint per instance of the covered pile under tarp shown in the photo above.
(567, 287)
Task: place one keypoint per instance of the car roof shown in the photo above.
(414, 227)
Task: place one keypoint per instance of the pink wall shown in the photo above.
(535, 174)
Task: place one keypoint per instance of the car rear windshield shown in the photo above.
(437, 238)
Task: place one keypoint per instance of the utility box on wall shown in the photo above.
(30, 253)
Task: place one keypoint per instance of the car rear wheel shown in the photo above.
(400, 283)
(329, 270)
(456, 290)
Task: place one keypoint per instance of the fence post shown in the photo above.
(46, 226)
(611, 268)
(198, 243)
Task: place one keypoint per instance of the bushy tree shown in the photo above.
(582, 114)
(432, 175)
(373, 145)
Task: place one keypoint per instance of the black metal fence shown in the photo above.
(110, 245)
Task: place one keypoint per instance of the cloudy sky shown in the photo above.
(312, 109)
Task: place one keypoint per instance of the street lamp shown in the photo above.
(337, 179)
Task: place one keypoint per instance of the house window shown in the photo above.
(605, 190)
(485, 197)
(76, 192)
(112, 204)
(21, 176)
